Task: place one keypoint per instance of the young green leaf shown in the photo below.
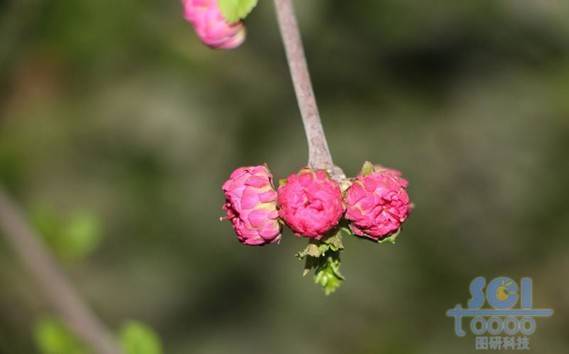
(323, 256)
(52, 337)
(235, 10)
(71, 237)
(82, 234)
(137, 338)
(328, 275)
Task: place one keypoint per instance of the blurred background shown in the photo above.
(117, 129)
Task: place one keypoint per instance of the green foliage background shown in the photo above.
(115, 109)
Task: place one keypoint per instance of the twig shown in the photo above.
(52, 281)
(319, 156)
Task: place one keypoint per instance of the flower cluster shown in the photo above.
(372, 205)
(375, 203)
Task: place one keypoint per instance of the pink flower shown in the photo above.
(210, 25)
(377, 203)
(310, 203)
(250, 203)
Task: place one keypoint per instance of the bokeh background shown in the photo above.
(117, 128)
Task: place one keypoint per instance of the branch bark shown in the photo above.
(52, 281)
(319, 156)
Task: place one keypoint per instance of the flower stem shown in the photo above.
(319, 156)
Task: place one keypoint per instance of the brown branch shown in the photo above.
(318, 152)
(52, 281)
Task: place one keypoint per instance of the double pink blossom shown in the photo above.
(251, 205)
(310, 203)
(377, 203)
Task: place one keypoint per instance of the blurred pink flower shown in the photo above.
(250, 204)
(310, 203)
(210, 25)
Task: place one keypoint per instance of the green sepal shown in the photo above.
(392, 238)
(345, 184)
(235, 10)
(367, 168)
(282, 182)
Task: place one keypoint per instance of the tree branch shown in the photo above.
(52, 281)
(319, 156)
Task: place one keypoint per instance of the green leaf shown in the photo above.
(328, 274)
(82, 235)
(318, 248)
(324, 257)
(311, 263)
(334, 241)
(323, 248)
(71, 238)
(52, 337)
(235, 10)
(137, 338)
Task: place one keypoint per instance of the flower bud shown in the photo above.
(210, 25)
